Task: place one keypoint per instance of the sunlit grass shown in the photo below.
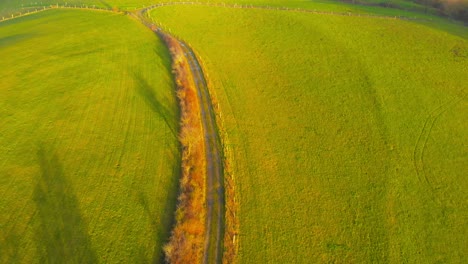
(88, 123)
(345, 133)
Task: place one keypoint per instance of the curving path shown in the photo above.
(214, 166)
(215, 200)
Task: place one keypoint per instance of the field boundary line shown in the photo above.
(282, 8)
(226, 5)
(51, 7)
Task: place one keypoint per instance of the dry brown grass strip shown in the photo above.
(187, 238)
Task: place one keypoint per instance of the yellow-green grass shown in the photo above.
(347, 135)
(16, 7)
(89, 160)
(9, 7)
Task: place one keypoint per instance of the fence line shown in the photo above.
(297, 9)
(44, 8)
(151, 23)
(219, 4)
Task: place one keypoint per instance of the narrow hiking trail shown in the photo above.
(213, 162)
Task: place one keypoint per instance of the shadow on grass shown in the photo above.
(163, 54)
(161, 224)
(105, 4)
(14, 39)
(62, 234)
(9, 246)
(65, 53)
(151, 98)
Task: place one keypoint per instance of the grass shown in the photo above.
(9, 7)
(346, 134)
(88, 120)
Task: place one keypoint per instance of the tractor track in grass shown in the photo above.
(215, 193)
(423, 138)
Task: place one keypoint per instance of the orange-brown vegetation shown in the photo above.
(187, 238)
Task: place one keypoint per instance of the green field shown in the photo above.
(347, 134)
(89, 161)
(403, 8)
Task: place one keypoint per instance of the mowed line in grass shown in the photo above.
(323, 114)
(90, 162)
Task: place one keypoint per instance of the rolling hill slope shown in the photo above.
(346, 134)
(88, 119)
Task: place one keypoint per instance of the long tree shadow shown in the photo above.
(151, 98)
(161, 224)
(14, 39)
(62, 234)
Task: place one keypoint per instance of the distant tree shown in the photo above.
(456, 9)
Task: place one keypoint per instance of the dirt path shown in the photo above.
(215, 200)
(214, 166)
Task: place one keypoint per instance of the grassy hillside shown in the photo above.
(346, 134)
(8, 7)
(402, 8)
(89, 163)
